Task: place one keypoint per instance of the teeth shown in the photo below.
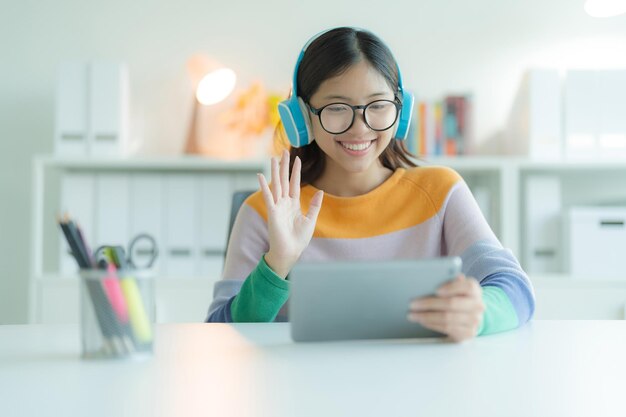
(356, 147)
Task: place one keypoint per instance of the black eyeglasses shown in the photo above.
(337, 118)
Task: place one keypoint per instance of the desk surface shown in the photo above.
(547, 368)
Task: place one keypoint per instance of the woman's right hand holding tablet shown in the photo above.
(290, 231)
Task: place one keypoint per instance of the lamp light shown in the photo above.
(605, 8)
(216, 86)
(212, 83)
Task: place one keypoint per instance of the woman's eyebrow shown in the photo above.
(334, 96)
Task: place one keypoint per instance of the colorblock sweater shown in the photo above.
(421, 212)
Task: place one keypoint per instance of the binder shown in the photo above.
(77, 198)
(71, 119)
(181, 221)
(430, 128)
(112, 209)
(108, 108)
(215, 196)
(542, 252)
(581, 120)
(146, 212)
(611, 113)
(535, 122)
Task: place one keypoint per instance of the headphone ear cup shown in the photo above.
(296, 124)
(307, 120)
(404, 120)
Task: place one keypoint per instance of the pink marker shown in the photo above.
(114, 293)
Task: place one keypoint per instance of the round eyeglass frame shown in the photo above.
(318, 113)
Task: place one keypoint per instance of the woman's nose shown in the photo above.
(359, 125)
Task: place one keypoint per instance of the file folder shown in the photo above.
(215, 195)
(181, 225)
(146, 211)
(535, 122)
(108, 108)
(581, 120)
(542, 252)
(112, 209)
(71, 119)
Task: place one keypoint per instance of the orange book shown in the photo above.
(422, 129)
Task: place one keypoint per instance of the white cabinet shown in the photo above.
(184, 203)
(513, 217)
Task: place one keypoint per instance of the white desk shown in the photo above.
(548, 368)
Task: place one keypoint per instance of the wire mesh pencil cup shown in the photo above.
(116, 313)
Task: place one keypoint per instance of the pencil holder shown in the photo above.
(116, 313)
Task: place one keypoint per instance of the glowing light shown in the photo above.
(605, 8)
(216, 86)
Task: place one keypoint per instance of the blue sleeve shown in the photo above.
(222, 313)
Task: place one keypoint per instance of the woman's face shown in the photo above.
(359, 85)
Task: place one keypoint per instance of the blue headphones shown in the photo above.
(295, 114)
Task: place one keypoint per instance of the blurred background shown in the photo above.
(523, 73)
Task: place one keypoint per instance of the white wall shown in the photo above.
(442, 46)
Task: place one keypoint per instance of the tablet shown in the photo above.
(363, 300)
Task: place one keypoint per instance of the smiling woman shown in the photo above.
(346, 122)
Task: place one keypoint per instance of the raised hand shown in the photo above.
(290, 231)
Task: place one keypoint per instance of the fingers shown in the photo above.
(294, 183)
(276, 188)
(265, 190)
(315, 206)
(460, 286)
(284, 174)
(457, 326)
(441, 319)
(457, 303)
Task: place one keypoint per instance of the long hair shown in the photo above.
(330, 55)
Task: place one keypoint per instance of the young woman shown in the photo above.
(352, 192)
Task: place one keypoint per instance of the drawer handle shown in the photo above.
(70, 136)
(545, 253)
(212, 252)
(180, 252)
(106, 138)
(612, 223)
(145, 252)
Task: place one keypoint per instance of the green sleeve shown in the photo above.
(261, 296)
(499, 313)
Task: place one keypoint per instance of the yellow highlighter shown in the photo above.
(136, 310)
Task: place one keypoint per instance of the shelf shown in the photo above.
(521, 163)
(152, 163)
(69, 279)
(567, 281)
(473, 163)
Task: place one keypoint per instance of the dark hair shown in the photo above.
(329, 55)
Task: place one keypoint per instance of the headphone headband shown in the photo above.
(294, 86)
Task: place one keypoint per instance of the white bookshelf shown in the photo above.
(184, 297)
(559, 295)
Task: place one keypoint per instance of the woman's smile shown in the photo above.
(356, 148)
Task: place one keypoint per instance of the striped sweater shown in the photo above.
(416, 213)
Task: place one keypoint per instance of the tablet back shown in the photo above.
(363, 300)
